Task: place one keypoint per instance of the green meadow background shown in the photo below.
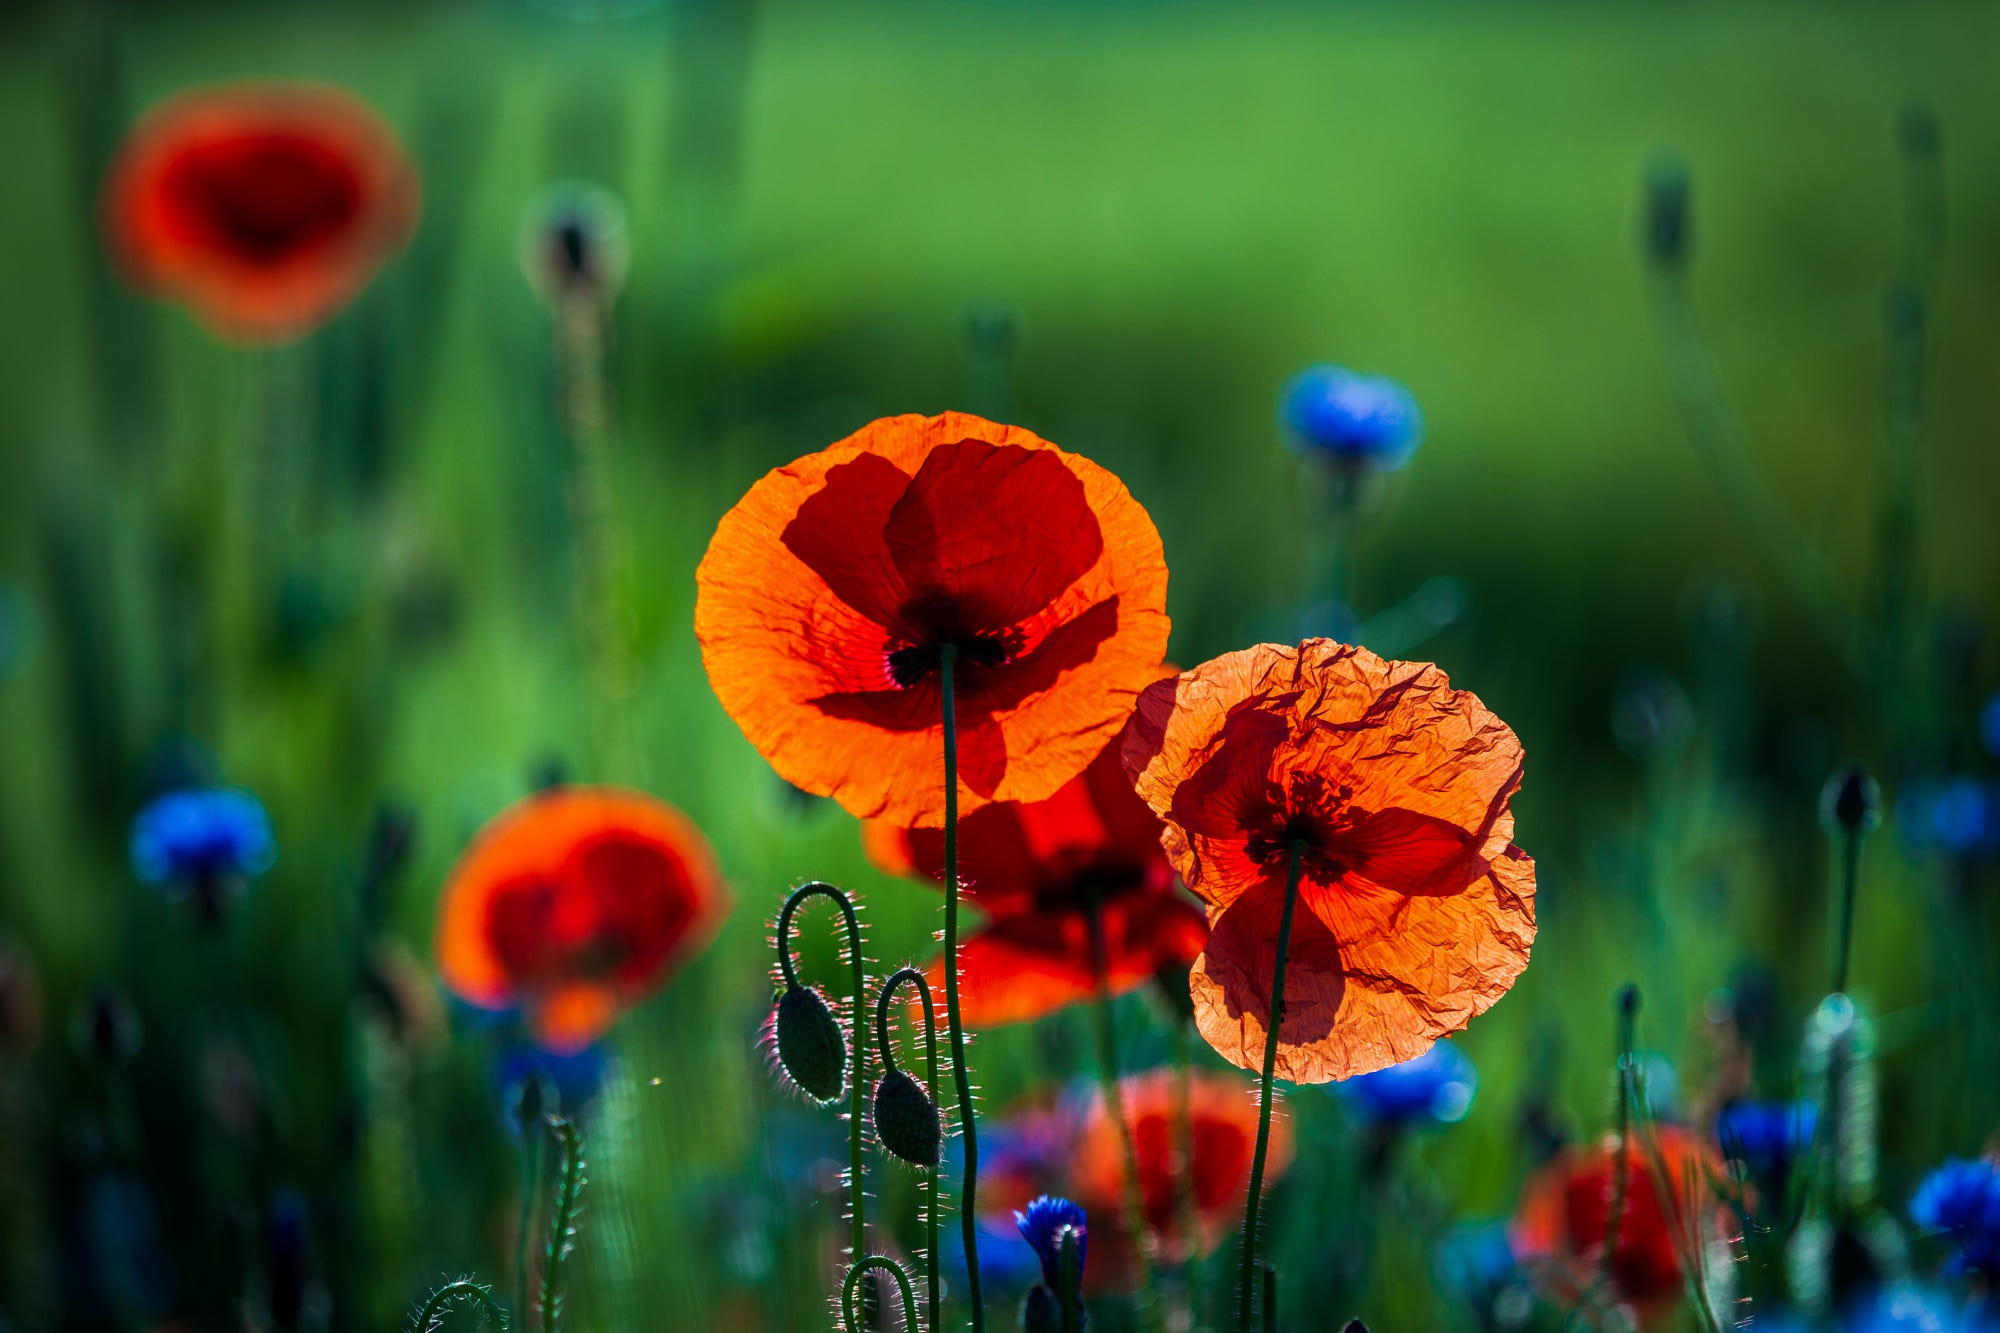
(341, 573)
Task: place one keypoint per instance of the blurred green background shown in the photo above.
(1122, 226)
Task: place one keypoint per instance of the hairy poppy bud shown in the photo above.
(811, 1048)
(906, 1119)
(1667, 229)
(1851, 800)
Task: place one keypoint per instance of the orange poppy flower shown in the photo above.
(264, 207)
(1565, 1212)
(1222, 1122)
(828, 591)
(1415, 910)
(1038, 870)
(574, 904)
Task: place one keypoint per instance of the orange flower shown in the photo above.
(1415, 910)
(1565, 1213)
(264, 207)
(828, 591)
(1223, 1127)
(1039, 870)
(574, 905)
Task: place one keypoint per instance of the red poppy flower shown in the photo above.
(1222, 1123)
(1415, 911)
(1038, 870)
(264, 207)
(1566, 1209)
(829, 590)
(575, 904)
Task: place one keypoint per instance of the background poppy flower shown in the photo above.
(829, 589)
(1039, 869)
(263, 207)
(1559, 1232)
(1415, 911)
(1223, 1128)
(574, 904)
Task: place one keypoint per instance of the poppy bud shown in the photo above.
(1851, 800)
(811, 1048)
(1667, 226)
(906, 1119)
(1039, 1312)
(573, 243)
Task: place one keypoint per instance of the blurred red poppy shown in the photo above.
(1222, 1123)
(829, 592)
(1416, 911)
(263, 207)
(1560, 1230)
(575, 904)
(1039, 870)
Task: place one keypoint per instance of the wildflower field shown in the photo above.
(762, 665)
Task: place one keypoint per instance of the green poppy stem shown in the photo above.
(1850, 875)
(961, 1075)
(852, 1317)
(531, 1179)
(858, 1035)
(1132, 1199)
(922, 986)
(1621, 1167)
(562, 1225)
(1274, 1023)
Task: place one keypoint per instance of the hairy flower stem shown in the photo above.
(857, 1023)
(433, 1311)
(1850, 875)
(561, 1226)
(1277, 1021)
(1133, 1211)
(531, 1180)
(961, 1075)
(851, 1317)
(923, 989)
(1621, 1170)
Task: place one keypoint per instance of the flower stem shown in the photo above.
(1186, 1217)
(433, 1310)
(1621, 1168)
(531, 1179)
(1850, 875)
(1133, 1199)
(1270, 1299)
(852, 1317)
(1069, 1273)
(923, 989)
(961, 1075)
(561, 1226)
(857, 1023)
(1277, 1021)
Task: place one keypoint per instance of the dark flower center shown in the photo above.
(1316, 814)
(911, 663)
(273, 196)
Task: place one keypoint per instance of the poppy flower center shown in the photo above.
(268, 196)
(1317, 814)
(912, 662)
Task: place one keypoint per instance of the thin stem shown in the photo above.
(1850, 874)
(857, 1033)
(961, 1075)
(851, 1317)
(1069, 1274)
(433, 1311)
(562, 1226)
(1621, 1169)
(1276, 1021)
(1132, 1197)
(1270, 1299)
(922, 986)
(531, 1179)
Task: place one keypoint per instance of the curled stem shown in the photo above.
(922, 986)
(433, 1311)
(562, 1228)
(851, 1317)
(1132, 1200)
(857, 1032)
(961, 1074)
(1277, 1021)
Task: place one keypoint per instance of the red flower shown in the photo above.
(575, 904)
(264, 207)
(1039, 869)
(1222, 1120)
(1565, 1213)
(829, 592)
(1415, 911)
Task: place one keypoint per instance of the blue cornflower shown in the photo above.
(1437, 1086)
(1332, 412)
(1957, 815)
(201, 836)
(564, 1083)
(1962, 1199)
(1043, 1225)
(1766, 1136)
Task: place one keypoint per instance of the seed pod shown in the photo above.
(906, 1120)
(811, 1047)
